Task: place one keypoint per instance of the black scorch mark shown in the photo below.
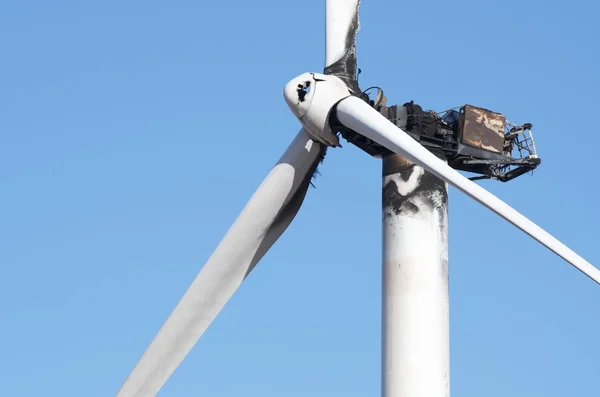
(345, 67)
(430, 193)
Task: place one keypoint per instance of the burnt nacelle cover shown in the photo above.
(482, 129)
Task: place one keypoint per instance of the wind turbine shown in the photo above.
(415, 177)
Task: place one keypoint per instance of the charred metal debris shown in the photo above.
(470, 138)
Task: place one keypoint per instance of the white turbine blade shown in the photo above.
(341, 26)
(266, 216)
(357, 115)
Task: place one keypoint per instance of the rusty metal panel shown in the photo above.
(482, 128)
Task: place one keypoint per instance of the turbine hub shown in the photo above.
(311, 96)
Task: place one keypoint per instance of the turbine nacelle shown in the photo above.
(311, 96)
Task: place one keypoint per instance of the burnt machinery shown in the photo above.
(470, 138)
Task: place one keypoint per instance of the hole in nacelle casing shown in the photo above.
(303, 90)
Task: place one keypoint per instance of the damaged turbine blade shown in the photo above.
(262, 221)
(341, 27)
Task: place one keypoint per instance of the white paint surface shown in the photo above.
(415, 328)
(244, 244)
(406, 187)
(359, 116)
(339, 15)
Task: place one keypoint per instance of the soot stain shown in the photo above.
(430, 190)
(345, 67)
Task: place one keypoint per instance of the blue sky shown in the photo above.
(132, 133)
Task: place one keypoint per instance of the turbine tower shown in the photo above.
(421, 153)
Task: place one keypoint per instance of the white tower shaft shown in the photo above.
(415, 327)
